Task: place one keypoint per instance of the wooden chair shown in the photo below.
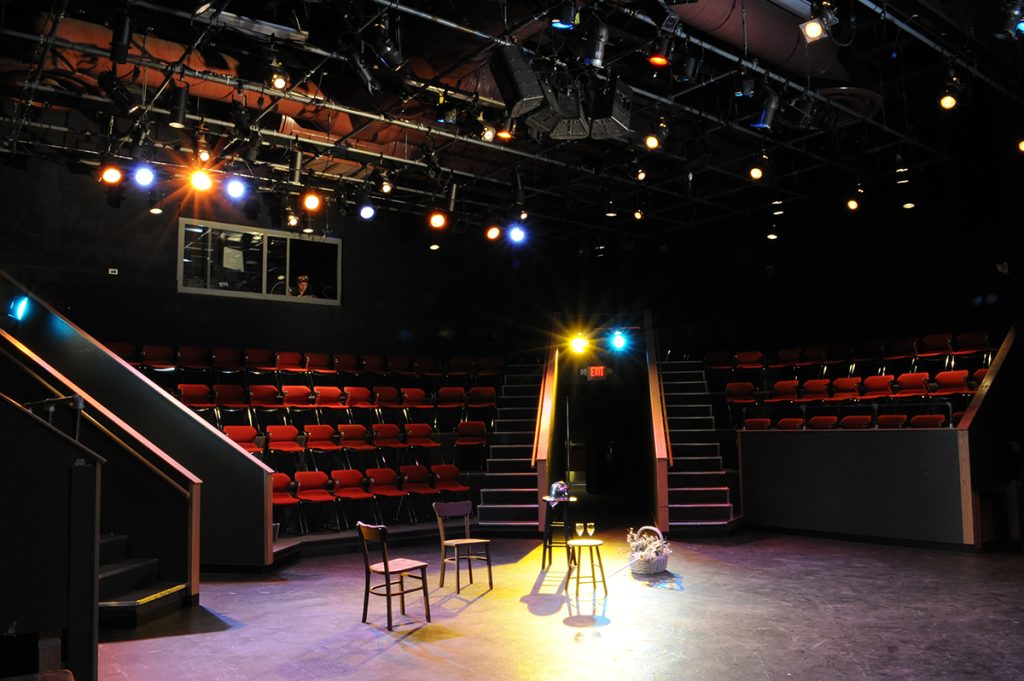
(455, 510)
(390, 568)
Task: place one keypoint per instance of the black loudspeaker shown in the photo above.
(544, 120)
(609, 117)
(516, 81)
(573, 124)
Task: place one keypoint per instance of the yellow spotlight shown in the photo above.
(947, 102)
(111, 174)
(437, 219)
(435, 247)
(1020, 146)
(311, 201)
(812, 30)
(579, 344)
(293, 220)
(651, 141)
(756, 172)
(638, 214)
(909, 205)
(201, 180)
(853, 204)
(493, 232)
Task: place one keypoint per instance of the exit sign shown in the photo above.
(596, 372)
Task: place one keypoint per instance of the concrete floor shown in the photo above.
(752, 606)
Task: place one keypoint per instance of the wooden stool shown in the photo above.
(550, 525)
(576, 547)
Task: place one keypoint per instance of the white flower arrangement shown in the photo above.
(646, 546)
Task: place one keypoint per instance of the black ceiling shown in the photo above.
(853, 108)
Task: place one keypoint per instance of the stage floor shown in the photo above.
(755, 605)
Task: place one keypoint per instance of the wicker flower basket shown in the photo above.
(649, 566)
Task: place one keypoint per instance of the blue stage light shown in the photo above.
(18, 308)
(367, 211)
(619, 341)
(144, 176)
(236, 188)
(517, 234)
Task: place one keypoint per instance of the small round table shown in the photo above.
(560, 504)
(576, 547)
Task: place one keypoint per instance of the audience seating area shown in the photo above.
(346, 435)
(924, 382)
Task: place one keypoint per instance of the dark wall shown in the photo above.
(832, 276)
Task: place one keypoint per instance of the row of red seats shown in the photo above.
(945, 384)
(329, 404)
(851, 422)
(348, 440)
(262, 359)
(353, 486)
(944, 346)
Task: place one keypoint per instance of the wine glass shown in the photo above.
(579, 529)
(590, 529)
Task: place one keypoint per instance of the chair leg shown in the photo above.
(366, 596)
(458, 572)
(469, 563)
(444, 561)
(490, 579)
(387, 591)
(426, 596)
(401, 592)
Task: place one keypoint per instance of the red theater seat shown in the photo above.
(855, 421)
(822, 422)
(757, 424)
(891, 420)
(928, 421)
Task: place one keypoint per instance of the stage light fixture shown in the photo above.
(658, 134)
(579, 344)
(618, 340)
(660, 55)
(768, 111)
(308, 229)
(823, 18)
(203, 153)
(155, 199)
(18, 308)
(852, 204)
(437, 219)
(909, 205)
(638, 214)
(1020, 146)
(771, 235)
(291, 219)
(311, 201)
(179, 106)
(610, 210)
(746, 85)
(201, 180)
(597, 41)
(235, 188)
(121, 37)
(759, 167)
(277, 77)
(111, 174)
(689, 70)
(563, 17)
(637, 172)
(523, 214)
(387, 47)
(367, 211)
(434, 247)
(1013, 25)
(507, 130)
(126, 103)
(445, 111)
(493, 233)
(951, 92)
(143, 176)
(517, 234)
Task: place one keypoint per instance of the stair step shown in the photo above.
(683, 450)
(698, 495)
(510, 480)
(690, 512)
(518, 412)
(697, 463)
(515, 369)
(673, 375)
(673, 410)
(507, 512)
(511, 438)
(522, 379)
(681, 363)
(706, 422)
(511, 495)
(524, 524)
(518, 401)
(689, 387)
(514, 425)
(698, 479)
(521, 391)
(144, 604)
(523, 451)
(691, 435)
(509, 466)
(113, 548)
(124, 575)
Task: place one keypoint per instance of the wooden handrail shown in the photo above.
(545, 408)
(656, 391)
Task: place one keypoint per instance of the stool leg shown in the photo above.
(426, 597)
(568, 577)
(469, 563)
(600, 564)
(577, 555)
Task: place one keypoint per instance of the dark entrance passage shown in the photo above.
(606, 433)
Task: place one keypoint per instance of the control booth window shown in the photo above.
(243, 262)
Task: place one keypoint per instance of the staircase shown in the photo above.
(508, 495)
(129, 590)
(703, 495)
